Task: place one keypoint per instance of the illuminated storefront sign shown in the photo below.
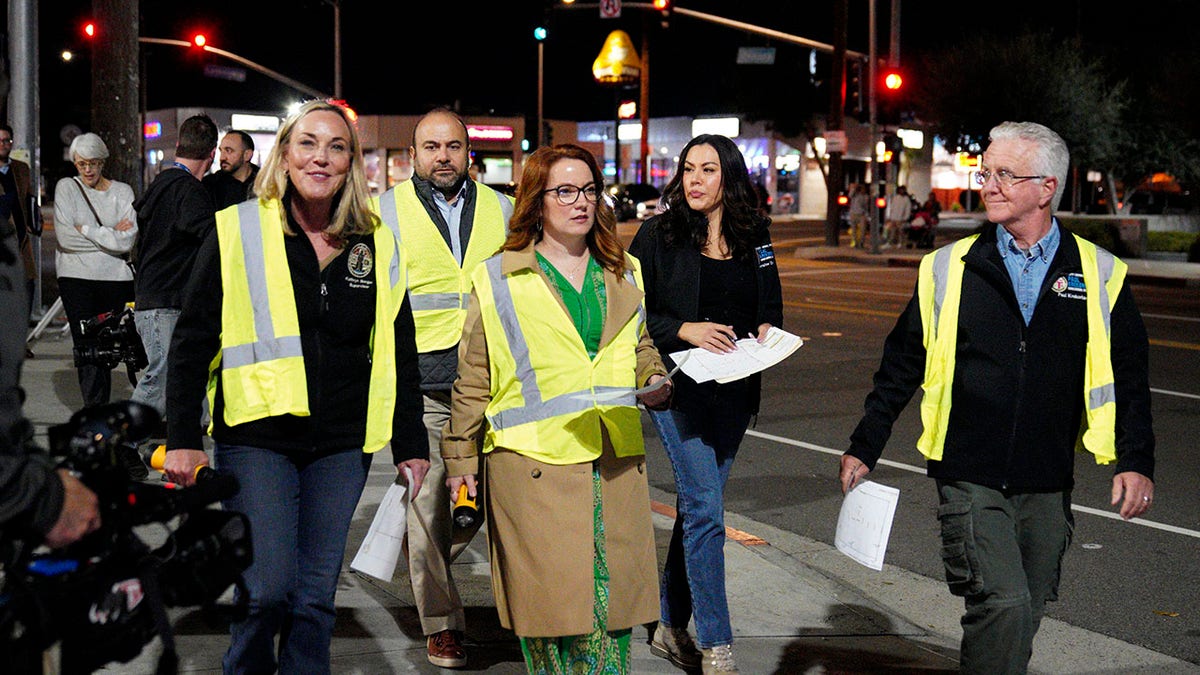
(152, 129)
(483, 132)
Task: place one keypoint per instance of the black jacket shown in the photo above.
(174, 216)
(1017, 402)
(226, 190)
(336, 312)
(672, 278)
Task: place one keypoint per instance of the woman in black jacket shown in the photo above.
(710, 278)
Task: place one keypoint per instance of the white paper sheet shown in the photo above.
(380, 548)
(865, 522)
(750, 357)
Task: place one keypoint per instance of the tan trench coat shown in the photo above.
(540, 515)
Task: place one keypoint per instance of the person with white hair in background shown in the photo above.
(95, 227)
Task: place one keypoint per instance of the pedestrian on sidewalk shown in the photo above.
(711, 278)
(860, 215)
(297, 311)
(553, 349)
(1032, 334)
(449, 224)
(95, 229)
(175, 215)
(896, 217)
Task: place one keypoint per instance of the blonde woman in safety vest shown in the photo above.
(296, 324)
(1026, 344)
(554, 350)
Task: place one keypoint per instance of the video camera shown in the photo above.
(112, 339)
(104, 597)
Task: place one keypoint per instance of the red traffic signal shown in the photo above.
(662, 5)
(893, 80)
(199, 39)
(89, 30)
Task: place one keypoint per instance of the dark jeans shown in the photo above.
(300, 510)
(86, 299)
(1002, 553)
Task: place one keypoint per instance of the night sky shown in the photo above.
(481, 57)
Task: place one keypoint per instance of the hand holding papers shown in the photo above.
(380, 549)
(865, 522)
(751, 356)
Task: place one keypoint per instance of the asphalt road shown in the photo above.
(1131, 580)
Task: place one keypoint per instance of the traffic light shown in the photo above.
(540, 33)
(893, 80)
(664, 7)
(199, 40)
(892, 99)
(89, 30)
(855, 98)
(893, 145)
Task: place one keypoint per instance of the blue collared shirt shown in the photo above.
(1027, 269)
(452, 214)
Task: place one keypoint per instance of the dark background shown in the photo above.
(481, 55)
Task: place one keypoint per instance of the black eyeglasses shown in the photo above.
(569, 194)
(1004, 177)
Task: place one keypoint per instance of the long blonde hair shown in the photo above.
(353, 213)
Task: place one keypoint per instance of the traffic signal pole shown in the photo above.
(878, 186)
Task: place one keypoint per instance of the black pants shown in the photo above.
(86, 299)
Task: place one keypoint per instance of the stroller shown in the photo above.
(921, 229)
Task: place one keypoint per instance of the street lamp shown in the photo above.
(540, 35)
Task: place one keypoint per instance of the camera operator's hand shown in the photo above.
(418, 468)
(80, 513)
(181, 465)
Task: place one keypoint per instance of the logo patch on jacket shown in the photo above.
(1070, 286)
(360, 261)
(766, 255)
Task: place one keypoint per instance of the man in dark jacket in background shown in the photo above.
(234, 183)
(174, 217)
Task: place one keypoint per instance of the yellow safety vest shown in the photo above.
(438, 286)
(261, 363)
(548, 399)
(939, 292)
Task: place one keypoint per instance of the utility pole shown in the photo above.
(115, 95)
(872, 94)
(833, 122)
(22, 112)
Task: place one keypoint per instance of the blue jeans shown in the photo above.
(155, 326)
(300, 510)
(701, 449)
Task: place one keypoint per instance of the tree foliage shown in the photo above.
(971, 86)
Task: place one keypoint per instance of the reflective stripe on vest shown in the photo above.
(440, 288)
(939, 292)
(262, 362)
(521, 416)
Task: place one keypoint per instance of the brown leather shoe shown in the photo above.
(446, 650)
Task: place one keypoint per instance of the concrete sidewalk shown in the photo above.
(797, 605)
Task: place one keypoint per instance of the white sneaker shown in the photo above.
(676, 646)
(719, 660)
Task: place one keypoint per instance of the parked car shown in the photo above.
(634, 201)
